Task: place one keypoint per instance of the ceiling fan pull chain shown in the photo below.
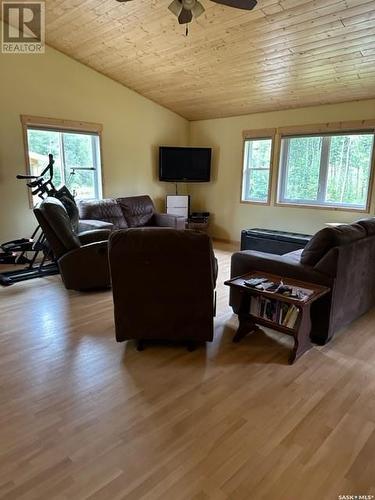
(187, 30)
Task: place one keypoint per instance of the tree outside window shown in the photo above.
(76, 155)
(256, 170)
(327, 170)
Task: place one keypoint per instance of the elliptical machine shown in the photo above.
(27, 250)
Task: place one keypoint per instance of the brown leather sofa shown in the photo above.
(82, 258)
(342, 258)
(133, 211)
(163, 283)
(80, 225)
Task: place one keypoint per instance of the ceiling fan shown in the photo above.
(185, 10)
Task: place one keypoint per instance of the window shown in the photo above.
(256, 169)
(76, 154)
(332, 170)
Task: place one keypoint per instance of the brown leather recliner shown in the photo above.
(82, 258)
(163, 283)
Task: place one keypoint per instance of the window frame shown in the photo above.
(62, 125)
(323, 172)
(260, 134)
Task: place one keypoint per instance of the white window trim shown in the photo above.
(63, 125)
(323, 173)
(258, 135)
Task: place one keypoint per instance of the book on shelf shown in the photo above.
(292, 317)
(274, 311)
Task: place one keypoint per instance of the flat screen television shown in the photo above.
(184, 164)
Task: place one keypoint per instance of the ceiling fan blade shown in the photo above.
(198, 9)
(185, 16)
(175, 7)
(238, 4)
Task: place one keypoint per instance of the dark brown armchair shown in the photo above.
(163, 283)
(82, 258)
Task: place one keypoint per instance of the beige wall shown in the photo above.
(222, 195)
(56, 86)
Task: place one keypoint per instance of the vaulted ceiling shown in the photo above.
(283, 54)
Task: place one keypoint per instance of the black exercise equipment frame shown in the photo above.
(15, 252)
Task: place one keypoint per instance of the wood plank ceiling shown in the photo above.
(283, 54)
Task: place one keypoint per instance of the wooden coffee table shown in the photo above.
(300, 331)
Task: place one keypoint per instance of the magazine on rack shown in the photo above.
(262, 284)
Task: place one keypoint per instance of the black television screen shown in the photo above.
(184, 164)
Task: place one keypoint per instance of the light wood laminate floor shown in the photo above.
(84, 417)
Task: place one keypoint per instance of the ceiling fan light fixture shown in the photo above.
(185, 10)
(185, 16)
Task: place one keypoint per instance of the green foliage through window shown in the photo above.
(76, 155)
(256, 170)
(332, 170)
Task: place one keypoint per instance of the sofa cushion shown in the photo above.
(106, 210)
(369, 225)
(347, 233)
(91, 224)
(137, 210)
(328, 238)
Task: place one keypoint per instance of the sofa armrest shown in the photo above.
(86, 268)
(93, 236)
(168, 220)
(89, 225)
(250, 260)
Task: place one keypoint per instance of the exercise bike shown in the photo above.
(27, 250)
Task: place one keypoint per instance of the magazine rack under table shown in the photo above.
(248, 322)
